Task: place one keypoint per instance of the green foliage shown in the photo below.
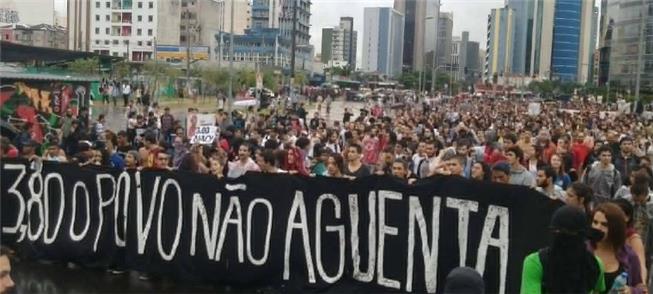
(160, 74)
(300, 79)
(548, 88)
(245, 79)
(89, 66)
(217, 78)
(270, 80)
(121, 70)
(340, 71)
(409, 79)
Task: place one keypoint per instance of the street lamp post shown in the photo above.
(231, 56)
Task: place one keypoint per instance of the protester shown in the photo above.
(335, 166)
(602, 176)
(501, 173)
(132, 160)
(481, 172)
(579, 195)
(616, 256)
(455, 165)
(54, 152)
(464, 280)
(243, 164)
(561, 178)
(6, 283)
(355, 167)
(625, 160)
(633, 239)
(566, 265)
(518, 174)
(545, 183)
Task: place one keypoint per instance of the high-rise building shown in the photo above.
(622, 22)
(266, 13)
(431, 32)
(456, 57)
(587, 41)
(350, 40)
(27, 12)
(383, 36)
(302, 14)
(593, 76)
(473, 61)
(417, 15)
(132, 28)
(542, 41)
(445, 39)
(327, 44)
(339, 44)
(566, 40)
(79, 25)
(522, 46)
(501, 34)
(560, 43)
(269, 42)
(464, 54)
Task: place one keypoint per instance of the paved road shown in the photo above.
(116, 118)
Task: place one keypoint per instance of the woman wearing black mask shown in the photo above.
(566, 266)
(612, 249)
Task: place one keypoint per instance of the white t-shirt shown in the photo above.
(237, 169)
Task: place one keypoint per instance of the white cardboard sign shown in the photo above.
(204, 135)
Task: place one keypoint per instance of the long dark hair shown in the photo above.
(571, 267)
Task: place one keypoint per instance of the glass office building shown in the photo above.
(628, 19)
(566, 40)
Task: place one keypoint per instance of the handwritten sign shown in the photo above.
(204, 135)
(534, 109)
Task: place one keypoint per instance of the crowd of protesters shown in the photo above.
(595, 160)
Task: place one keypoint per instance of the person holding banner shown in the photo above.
(6, 283)
(266, 160)
(335, 165)
(132, 160)
(243, 164)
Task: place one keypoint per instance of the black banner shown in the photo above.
(372, 234)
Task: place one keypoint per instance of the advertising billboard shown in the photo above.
(173, 53)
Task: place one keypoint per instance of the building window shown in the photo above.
(150, 18)
(149, 43)
(107, 17)
(107, 31)
(97, 17)
(97, 42)
(126, 42)
(149, 32)
(140, 4)
(114, 53)
(108, 4)
(97, 4)
(139, 32)
(140, 18)
(106, 42)
(140, 43)
(115, 42)
(97, 31)
(150, 5)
